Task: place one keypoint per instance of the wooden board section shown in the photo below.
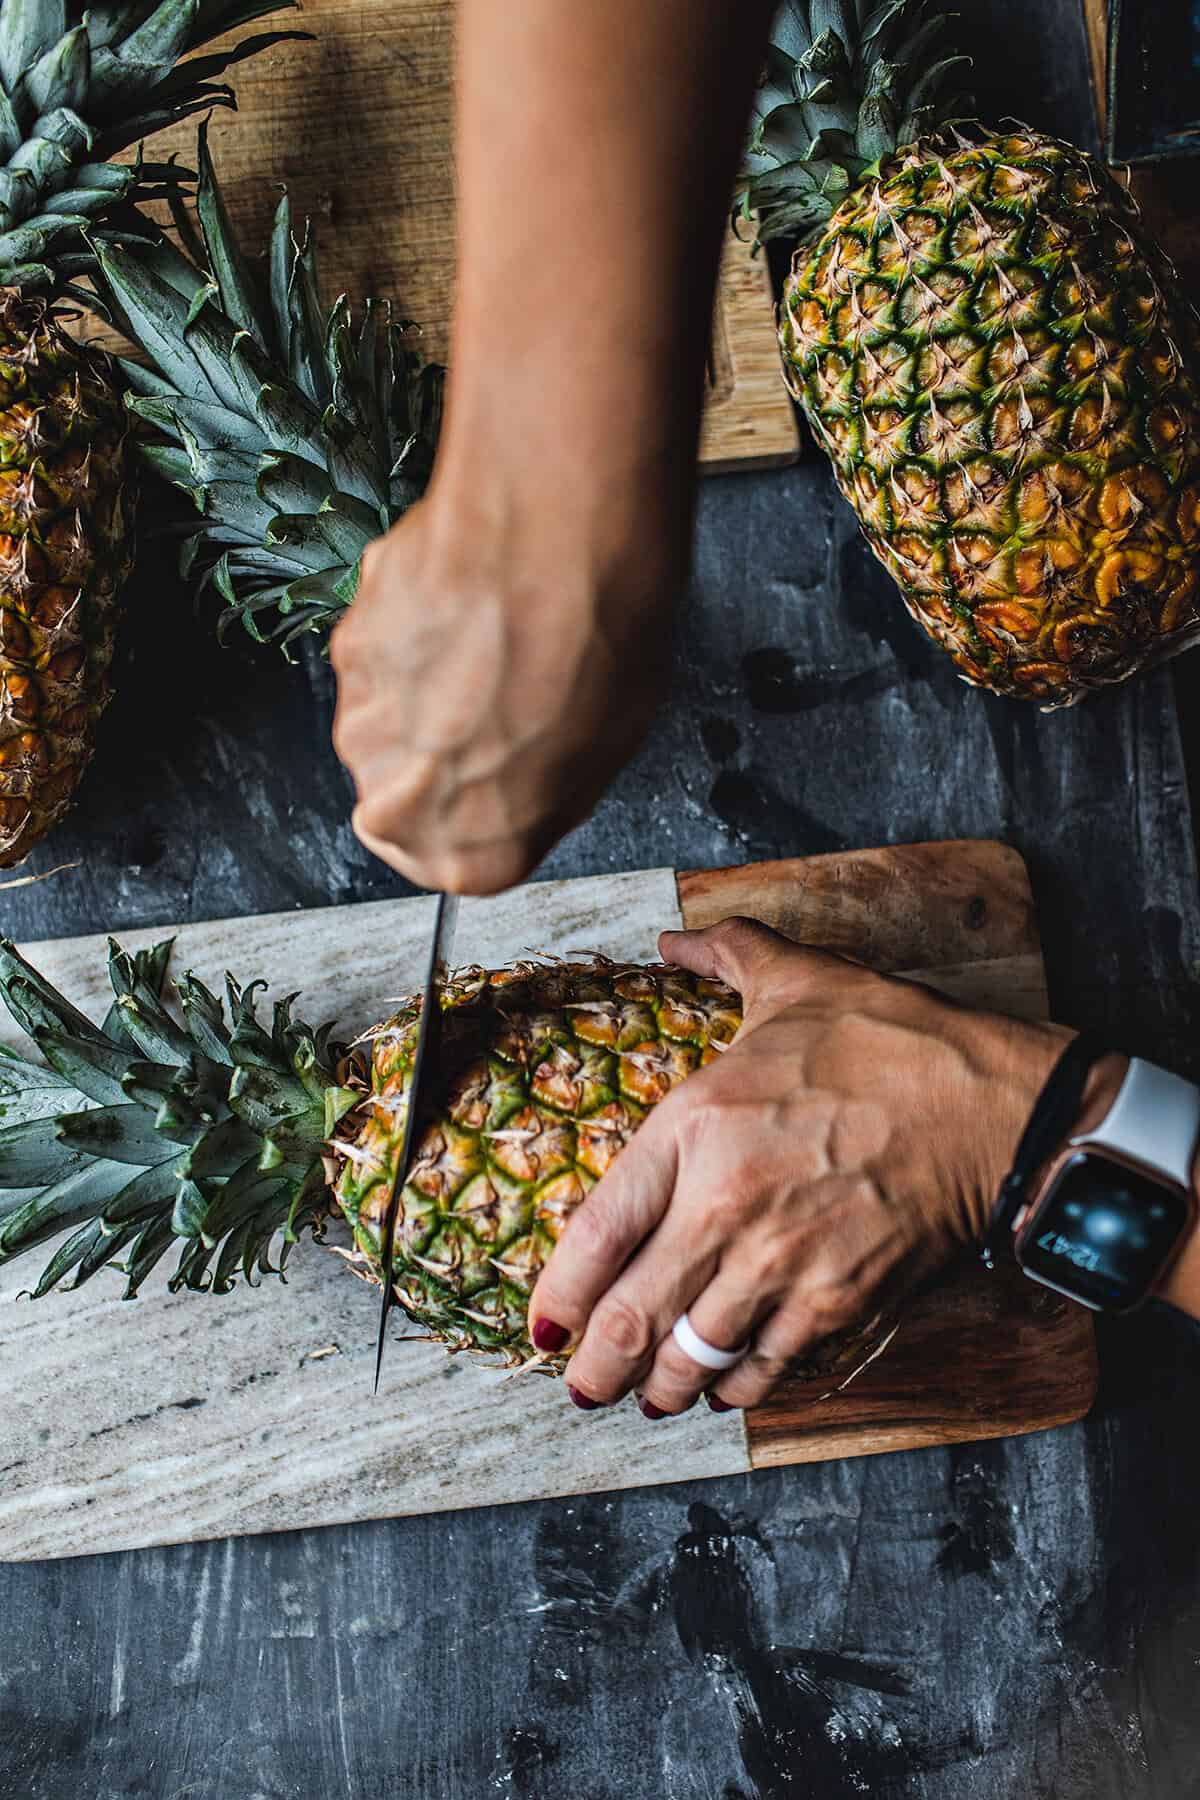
(357, 123)
(191, 1417)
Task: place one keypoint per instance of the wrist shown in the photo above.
(1011, 1061)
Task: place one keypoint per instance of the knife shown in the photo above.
(424, 1071)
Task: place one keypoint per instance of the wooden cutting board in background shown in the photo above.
(181, 1417)
(356, 124)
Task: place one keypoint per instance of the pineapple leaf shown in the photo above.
(124, 1134)
(62, 1204)
(855, 81)
(94, 1069)
(27, 29)
(35, 1154)
(164, 1155)
(238, 294)
(62, 75)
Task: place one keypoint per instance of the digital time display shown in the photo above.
(1103, 1232)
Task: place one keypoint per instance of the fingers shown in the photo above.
(750, 958)
(471, 869)
(728, 1312)
(601, 1236)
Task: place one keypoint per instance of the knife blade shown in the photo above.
(429, 1033)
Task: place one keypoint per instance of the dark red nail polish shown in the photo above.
(548, 1336)
(584, 1402)
(648, 1409)
(716, 1404)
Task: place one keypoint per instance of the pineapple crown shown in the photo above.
(298, 436)
(845, 82)
(77, 87)
(143, 1133)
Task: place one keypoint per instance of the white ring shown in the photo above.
(700, 1351)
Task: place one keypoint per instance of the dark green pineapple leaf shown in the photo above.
(85, 1250)
(32, 1001)
(125, 1134)
(205, 1019)
(239, 294)
(62, 74)
(96, 1070)
(35, 1154)
(146, 1251)
(859, 79)
(30, 1091)
(221, 1150)
(190, 1210)
(163, 1158)
(59, 1206)
(342, 434)
(27, 29)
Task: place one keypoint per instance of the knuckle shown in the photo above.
(765, 1364)
(623, 1328)
(834, 1303)
(593, 1233)
(737, 933)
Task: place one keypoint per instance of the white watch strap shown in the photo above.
(1155, 1119)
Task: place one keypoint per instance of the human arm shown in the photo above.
(852, 1139)
(508, 643)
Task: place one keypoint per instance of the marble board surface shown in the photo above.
(179, 1417)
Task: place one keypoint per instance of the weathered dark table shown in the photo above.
(1018, 1619)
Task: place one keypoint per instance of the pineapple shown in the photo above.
(1001, 369)
(75, 89)
(65, 551)
(146, 1136)
(298, 437)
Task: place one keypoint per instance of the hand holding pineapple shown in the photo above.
(849, 1141)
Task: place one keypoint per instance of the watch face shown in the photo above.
(1102, 1232)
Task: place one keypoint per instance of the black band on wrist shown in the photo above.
(1054, 1113)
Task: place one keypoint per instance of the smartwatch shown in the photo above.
(1100, 1216)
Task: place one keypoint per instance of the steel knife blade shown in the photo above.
(429, 1032)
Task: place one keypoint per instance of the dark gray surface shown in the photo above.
(1014, 1619)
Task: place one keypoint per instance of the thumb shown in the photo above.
(740, 952)
(757, 962)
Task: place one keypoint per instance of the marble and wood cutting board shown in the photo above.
(356, 124)
(176, 1418)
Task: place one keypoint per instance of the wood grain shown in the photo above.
(907, 906)
(979, 1355)
(357, 125)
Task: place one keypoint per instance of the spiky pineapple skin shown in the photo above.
(546, 1073)
(1004, 374)
(66, 527)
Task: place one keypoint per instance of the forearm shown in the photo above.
(596, 149)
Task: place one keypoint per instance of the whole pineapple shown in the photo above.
(76, 88)
(1001, 369)
(144, 1136)
(65, 551)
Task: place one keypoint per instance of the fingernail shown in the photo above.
(716, 1404)
(648, 1409)
(548, 1336)
(584, 1402)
